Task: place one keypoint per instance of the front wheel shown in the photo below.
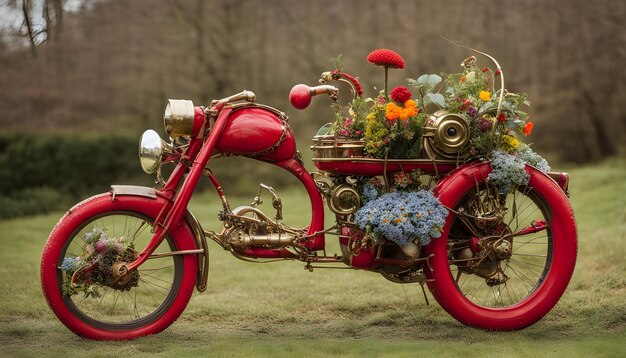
(81, 262)
(505, 260)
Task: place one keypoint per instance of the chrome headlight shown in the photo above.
(151, 151)
(178, 118)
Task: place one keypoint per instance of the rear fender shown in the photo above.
(452, 186)
(190, 219)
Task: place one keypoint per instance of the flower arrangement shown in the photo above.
(94, 266)
(401, 216)
(391, 125)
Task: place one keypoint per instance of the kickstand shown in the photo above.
(424, 292)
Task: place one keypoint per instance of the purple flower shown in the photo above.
(485, 124)
(101, 246)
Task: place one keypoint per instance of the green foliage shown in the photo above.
(350, 124)
(42, 173)
(338, 62)
(428, 82)
(31, 201)
(436, 98)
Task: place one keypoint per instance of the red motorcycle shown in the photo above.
(124, 264)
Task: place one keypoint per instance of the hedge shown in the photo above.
(43, 173)
(39, 174)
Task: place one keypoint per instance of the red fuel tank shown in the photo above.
(257, 132)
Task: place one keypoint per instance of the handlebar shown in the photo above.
(300, 95)
(217, 105)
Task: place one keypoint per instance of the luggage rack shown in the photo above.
(344, 156)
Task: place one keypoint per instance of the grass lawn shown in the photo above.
(279, 309)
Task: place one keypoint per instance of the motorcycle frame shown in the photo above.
(194, 160)
(199, 152)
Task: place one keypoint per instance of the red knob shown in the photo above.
(300, 96)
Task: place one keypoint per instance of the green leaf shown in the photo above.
(516, 125)
(338, 62)
(429, 81)
(436, 98)
(506, 104)
(485, 106)
(522, 115)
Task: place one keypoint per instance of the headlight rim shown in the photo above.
(151, 150)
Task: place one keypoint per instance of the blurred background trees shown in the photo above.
(73, 67)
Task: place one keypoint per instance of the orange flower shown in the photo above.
(528, 128)
(408, 112)
(462, 79)
(392, 111)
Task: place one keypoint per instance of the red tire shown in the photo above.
(164, 286)
(537, 271)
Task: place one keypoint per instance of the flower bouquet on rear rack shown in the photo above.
(446, 118)
(430, 126)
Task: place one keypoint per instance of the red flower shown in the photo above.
(400, 94)
(485, 69)
(386, 58)
(528, 128)
(497, 72)
(466, 104)
(501, 118)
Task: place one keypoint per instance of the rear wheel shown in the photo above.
(81, 278)
(506, 259)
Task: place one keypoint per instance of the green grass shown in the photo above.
(279, 309)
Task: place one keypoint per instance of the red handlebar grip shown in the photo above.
(300, 96)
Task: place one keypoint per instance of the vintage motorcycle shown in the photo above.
(124, 264)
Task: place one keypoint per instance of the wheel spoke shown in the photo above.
(529, 257)
(135, 306)
(149, 291)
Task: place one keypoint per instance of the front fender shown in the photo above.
(190, 219)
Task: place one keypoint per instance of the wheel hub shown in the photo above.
(121, 278)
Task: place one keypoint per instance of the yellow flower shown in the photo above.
(510, 143)
(484, 95)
